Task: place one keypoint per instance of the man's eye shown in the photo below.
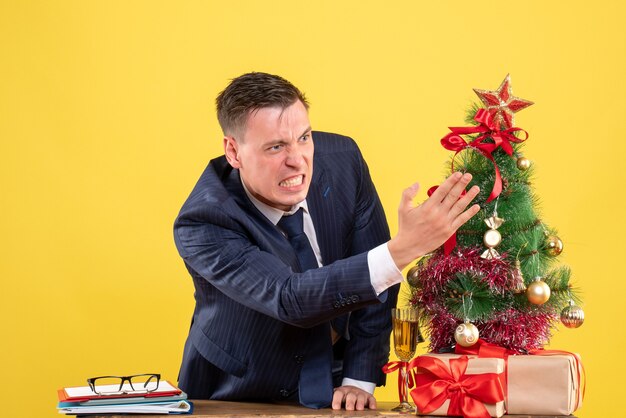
(305, 137)
(275, 148)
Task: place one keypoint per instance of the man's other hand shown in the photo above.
(353, 398)
(423, 228)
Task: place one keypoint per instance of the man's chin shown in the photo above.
(292, 199)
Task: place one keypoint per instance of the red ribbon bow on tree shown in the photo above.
(434, 384)
(487, 128)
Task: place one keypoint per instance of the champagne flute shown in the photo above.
(406, 336)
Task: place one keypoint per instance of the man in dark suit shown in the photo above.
(270, 323)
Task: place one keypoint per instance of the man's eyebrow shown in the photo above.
(305, 131)
(272, 142)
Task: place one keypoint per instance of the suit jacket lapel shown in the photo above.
(268, 237)
(320, 202)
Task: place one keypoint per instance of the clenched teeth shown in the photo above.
(294, 181)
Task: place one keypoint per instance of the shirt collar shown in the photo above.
(272, 213)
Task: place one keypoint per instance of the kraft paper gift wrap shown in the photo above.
(493, 367)
(544, 384)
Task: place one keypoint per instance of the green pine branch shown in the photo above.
(469, 297)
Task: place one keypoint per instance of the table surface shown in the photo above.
(222, 409)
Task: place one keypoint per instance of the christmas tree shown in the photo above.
(498, 277)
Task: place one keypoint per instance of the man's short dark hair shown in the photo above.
(250, 92)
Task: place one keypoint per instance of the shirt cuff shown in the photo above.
(366, 386)
(383, 270)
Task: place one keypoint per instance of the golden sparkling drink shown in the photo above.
(405, 338)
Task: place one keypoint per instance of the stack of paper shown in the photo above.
(167, 399)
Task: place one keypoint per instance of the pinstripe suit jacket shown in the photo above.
(250, 323)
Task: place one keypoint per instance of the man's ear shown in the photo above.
(231, 151)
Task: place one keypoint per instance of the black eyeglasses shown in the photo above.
(120, 385)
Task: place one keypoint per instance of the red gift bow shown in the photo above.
(488, 129)
(468, 393)
(488, 350)
(393, 366)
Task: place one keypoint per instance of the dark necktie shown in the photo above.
(316, 384)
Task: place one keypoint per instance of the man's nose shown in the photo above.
(295, 157)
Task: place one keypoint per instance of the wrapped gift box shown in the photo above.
(491, 368)
(544, 384)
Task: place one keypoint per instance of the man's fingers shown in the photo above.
(464, 201)
(445, 187)
(465, 216)
(371, 402)
(360, 402)
(350, 401)
(337, 399)
(457, 190)
(352, 398)
(408, 195)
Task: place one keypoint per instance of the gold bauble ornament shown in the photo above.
(538, 292)
(554, 245)
(492, 238)
(466, 334)
(572, 316)
(412, 276)
(523, 163)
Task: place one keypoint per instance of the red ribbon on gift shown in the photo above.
(487, 128)
(468, 393)
(484, 349)
(488, 350)
(393, 366)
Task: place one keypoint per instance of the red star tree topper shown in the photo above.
(501, 103)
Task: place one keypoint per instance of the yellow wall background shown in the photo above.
(107, 119)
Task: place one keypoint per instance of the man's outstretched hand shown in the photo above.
(423, 228)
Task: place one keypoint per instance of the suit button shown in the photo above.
(355, 298)
(336, 304)
(284, 393)
(298, 359)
